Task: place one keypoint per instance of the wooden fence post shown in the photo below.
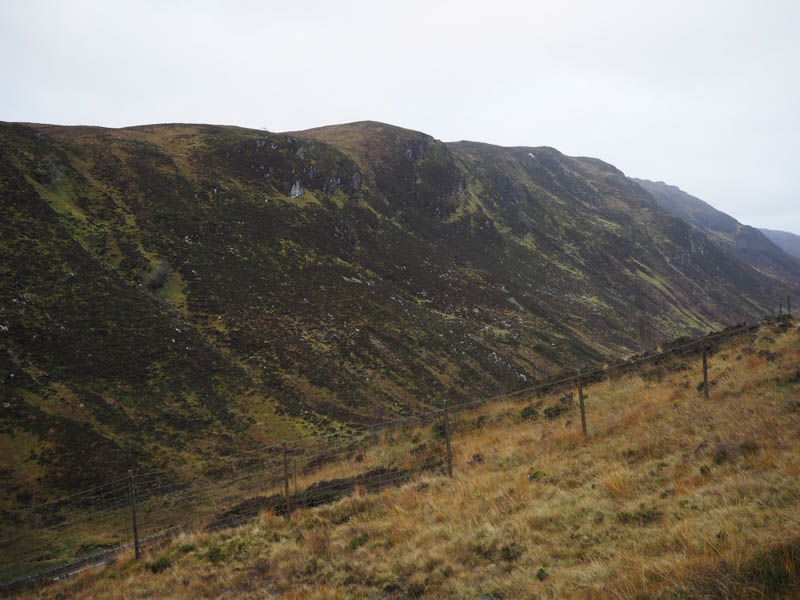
(580, 400)
(133, 515)
(286, 479)
(789, 305)
(447, 440)
(705, 373)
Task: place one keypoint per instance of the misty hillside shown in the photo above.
(171, 292)
(789, 242)
(749, 244)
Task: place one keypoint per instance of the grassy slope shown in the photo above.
(407, 272)
(671, 497)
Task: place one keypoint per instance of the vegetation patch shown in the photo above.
(642, 516)
(159, 565)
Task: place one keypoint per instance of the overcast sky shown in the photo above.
(702, 95)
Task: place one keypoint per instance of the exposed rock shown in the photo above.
(296, 191)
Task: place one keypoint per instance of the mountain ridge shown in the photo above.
(786, 240)
(746, 242)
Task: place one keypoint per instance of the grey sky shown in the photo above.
(703, 95)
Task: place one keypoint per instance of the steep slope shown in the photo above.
(175, 291)
(788, 242)
(570, 230)
(747, 243)
(97, 374)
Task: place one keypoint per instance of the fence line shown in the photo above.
(143, 508)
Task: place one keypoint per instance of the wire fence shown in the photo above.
(53, 539)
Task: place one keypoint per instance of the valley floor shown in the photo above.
(671, 496)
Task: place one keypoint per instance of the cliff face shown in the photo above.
(176, 291)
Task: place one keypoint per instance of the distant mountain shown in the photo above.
(171, 292)
(747, 243)
(789, 242)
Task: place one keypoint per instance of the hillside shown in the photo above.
(749, 244)
(171, 293)
(671, 496)
(789, 242)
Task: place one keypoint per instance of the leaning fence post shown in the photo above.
(580, 400)
(705, 373)
(447, 440)
(286, 479)
(133, 514)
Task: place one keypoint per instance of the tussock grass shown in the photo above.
(671, 496)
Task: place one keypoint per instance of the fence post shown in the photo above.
(705, 373)
(447, 440)
(286, 479)
(780, 308)
(789, 305)
(133, 514)
(580, 400)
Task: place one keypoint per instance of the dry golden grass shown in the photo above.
(671, 496)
